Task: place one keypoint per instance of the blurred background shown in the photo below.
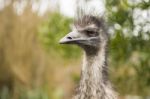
(34, 66)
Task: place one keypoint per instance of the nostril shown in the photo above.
(69, 38)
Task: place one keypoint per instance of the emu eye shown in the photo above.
(91, 33)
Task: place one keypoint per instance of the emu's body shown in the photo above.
(94, 83)
(90, 34)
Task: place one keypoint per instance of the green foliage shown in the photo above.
(52, 30)
(129, 54)
(24, 94)
(4, 93)
(36, 94)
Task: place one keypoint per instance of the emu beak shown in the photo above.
(71, 38)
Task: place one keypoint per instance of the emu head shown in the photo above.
(88, 32)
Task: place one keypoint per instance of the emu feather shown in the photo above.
(90, 33)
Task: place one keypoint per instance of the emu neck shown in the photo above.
(94, 69)
(94, 82)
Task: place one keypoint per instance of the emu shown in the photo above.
(89, 32)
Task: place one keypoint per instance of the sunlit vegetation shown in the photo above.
(50, 32)
(129, 51)
(33, 65)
